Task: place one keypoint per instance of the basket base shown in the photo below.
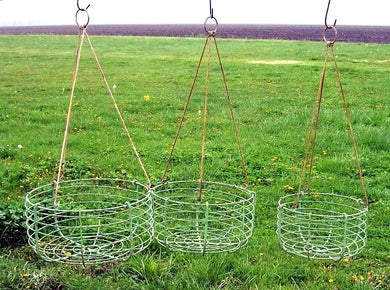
(196, 241)
(73, 251)
(222, 221)
(92, 221)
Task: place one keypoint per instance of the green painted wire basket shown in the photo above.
(221, 222)
(91, 221)
(323, 226)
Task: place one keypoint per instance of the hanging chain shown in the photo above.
(84, 35)
(210, 37)
(310, 143)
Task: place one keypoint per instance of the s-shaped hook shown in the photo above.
(326, 17)
(82, 9)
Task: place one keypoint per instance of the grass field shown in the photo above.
(273, 85)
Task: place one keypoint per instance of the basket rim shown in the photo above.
(358, 200)
(361, 210)
(250, 198)
(36, 192)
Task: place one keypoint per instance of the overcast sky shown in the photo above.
(58, 12)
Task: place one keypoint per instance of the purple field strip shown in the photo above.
(365, 34)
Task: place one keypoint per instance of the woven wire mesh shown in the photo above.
(221, 222)
(323, 226)
(94, 221)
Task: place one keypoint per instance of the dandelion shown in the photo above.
(273, 159)
(360, 277)
(330, 178)
(370, 276)
(288, 187)
(261, 254)
(324, 153)
(330, 280)
(20, 146)
(146, 98)
(68, 253)
(345, 260)
(217, 201)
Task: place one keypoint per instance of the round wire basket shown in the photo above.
(90, 221)
(222, 221)
(322, 226)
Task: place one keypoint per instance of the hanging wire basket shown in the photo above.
(323, 226)
(221, 222)
(204, 216)
(89, 221)
(93, 220)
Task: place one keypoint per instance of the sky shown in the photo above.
(62, 12)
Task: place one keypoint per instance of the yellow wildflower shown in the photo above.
(330, 280)
(324, 153)
(146, 98)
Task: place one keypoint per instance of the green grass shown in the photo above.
(273, 103)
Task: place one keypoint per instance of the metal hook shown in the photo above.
(82, 9)
(326, 17)
(211, 11)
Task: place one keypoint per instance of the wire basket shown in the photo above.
(91, 221)
(323, 226)
(221, 222)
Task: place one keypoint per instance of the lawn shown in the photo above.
(273, 85)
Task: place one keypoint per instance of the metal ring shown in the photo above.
(330, 42)
(211, 31)
(77, 15)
